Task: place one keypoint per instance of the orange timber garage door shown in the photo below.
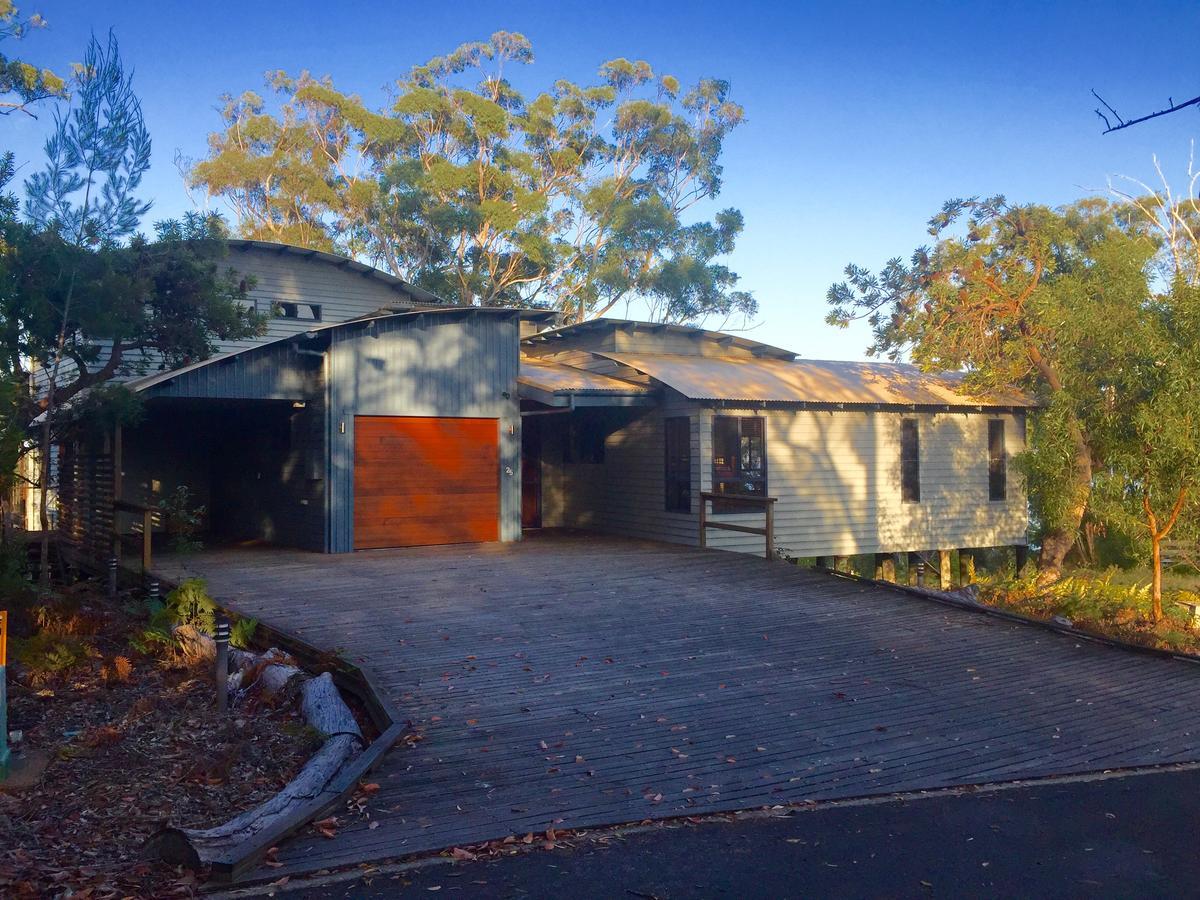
(425, 481)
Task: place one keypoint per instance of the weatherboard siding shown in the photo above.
(285, 277)
(342, 294)
(836, 475)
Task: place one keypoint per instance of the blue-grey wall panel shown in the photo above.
(438, 364)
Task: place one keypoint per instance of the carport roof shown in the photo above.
(554, 384)
(809, 381)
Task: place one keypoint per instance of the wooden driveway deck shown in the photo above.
(575, 681)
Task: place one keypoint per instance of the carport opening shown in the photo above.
(254, 467)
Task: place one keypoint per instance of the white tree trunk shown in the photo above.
(323, 708)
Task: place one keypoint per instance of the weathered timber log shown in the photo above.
(323, 708)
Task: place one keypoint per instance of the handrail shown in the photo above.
(147, 527)
(767, 504)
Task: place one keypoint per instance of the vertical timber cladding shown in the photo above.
(450, 365)
(425, 480)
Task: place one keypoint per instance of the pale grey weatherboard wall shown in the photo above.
(453, 364)
(836, 474)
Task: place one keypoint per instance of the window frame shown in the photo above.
(677, 464)
(910, 460)
(997, 461)
(290, 309)
(719, 479)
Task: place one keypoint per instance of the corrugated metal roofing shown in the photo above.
(807, 381)
(551, 335)
(555, 377)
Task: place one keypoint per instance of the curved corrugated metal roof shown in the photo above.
(555, 377)
(808, 381)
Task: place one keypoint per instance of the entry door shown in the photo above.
(424, 481)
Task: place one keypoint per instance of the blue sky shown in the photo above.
(861, 117)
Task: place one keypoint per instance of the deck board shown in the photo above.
(716, 680)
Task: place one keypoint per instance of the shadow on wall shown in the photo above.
(427, 366)
(253, 465)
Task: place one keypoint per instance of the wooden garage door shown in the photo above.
(425, 481)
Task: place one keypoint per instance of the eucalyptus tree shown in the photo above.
(580, 198)
(23, 84)
(1012, 296)
(1146, 425)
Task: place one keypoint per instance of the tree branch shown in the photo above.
(1125, 123)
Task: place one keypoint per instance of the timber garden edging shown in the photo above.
(955, 599)
(352, 678)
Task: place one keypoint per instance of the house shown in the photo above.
(371, 415)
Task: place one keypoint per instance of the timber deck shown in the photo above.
(575, 681)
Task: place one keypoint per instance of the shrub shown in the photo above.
(45, 654)
(182, 519)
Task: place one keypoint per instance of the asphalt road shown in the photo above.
(1133, 836)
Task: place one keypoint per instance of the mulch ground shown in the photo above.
(131, 750)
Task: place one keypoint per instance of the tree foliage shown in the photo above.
(1011, 296)
(23, 84)
(82, 298)
(583, 197)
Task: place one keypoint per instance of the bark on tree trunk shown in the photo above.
(1156, 578)
(322, 707)
(1056, 544)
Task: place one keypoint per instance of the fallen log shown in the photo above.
(323, 708)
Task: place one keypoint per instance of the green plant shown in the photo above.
(190, 604)
(182, 519)
(241, 632)
(46, 654)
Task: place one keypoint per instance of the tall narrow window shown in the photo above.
(910, 461)
(997, 461)
(739, 459)
(678, 451)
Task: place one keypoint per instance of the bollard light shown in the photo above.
(222, 641)
(112, 576)
(152, 590)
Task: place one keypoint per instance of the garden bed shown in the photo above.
(1110, 604)
(134, 741)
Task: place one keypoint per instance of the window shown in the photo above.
(997, 461)
(678, 452)
(910, 461)
(739, 460)
(306, 311)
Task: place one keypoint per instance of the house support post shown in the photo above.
(1021, 552)
(945, 571)
(885, 564)
(914, 569)
(966, 568)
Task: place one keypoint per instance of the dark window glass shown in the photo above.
(678, 451)
(997, 461)
(739, 460)
(288, 310)
(585, 440)
(910, 461)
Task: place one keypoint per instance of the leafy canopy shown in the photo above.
(23, 84)
(582, 198)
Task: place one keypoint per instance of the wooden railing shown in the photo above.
(766, 504)
(147, 513)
